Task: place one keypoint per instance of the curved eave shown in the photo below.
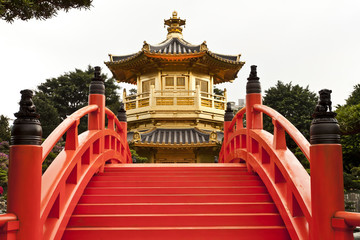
(226, 58)
(125, 69)
(224, 70)
(122, 70)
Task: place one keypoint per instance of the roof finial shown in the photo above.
(174, 24)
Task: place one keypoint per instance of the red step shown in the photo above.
(180, 178)
(168, 208)
(174, 190)
(171, 173)
(175, 220)
(168, 183)
(176, 201)
(184, 233)
(175, 198)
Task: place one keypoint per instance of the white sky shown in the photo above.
(315, 43)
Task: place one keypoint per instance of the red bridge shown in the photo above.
(258, 190)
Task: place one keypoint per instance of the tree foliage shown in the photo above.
(4, 151)
(4, 128)
(349, 119)
(136, 158)
(296, 104)
(49, 115)
(354, 97)
(218, 91)
(133, 91)
(58, 98)
(4, 164)
(45, 9)
(348, 116)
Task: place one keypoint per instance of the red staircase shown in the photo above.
(176, 201)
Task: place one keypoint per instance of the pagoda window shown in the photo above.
(146, 85)
(180, 82)
(204, 85)
(169, 82)
(175, 82)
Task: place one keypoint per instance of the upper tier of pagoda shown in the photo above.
(174, 54)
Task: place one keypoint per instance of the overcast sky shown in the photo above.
(315, 43)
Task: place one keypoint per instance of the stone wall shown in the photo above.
(352, 201)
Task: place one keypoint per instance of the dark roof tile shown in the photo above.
(174, 136)
(174, 46)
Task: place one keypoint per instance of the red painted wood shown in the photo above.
(175, 190)
(176, 202)
(175, 184)
(187, 178)
(191, 233)
(136, 208)
(175, 198)
(176, 220)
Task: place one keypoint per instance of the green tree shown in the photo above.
(45, 9)
(4, 128)
(354, 98)
(136, 157)
(348, 116)
(49, 115)
(296, 104)
(218, 91)
(59, 97)
(133, 91)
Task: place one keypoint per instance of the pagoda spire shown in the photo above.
(174, 24)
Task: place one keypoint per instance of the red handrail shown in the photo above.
(285, 178)
(294, 133)
(73, 167)
(351, 218)
(41, 204)
(9, 226)
(311, 208)
(238, 116)
(121, 128)
(60, 130)
(4, 218)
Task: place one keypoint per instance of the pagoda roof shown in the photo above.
(173, 46)
(165, 136)
(172, 51)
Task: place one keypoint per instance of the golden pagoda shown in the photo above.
(175, 116)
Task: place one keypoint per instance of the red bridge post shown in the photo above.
(122, 130)
(254, 119)
(327, 188)
(229, 115)
(97, 96)
(24, 184)
(96, 120)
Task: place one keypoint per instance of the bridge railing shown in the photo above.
(42, 204)
(311, 207)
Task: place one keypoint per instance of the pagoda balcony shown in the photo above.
(175, 103)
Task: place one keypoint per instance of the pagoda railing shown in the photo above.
(176, 97)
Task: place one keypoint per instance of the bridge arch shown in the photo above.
(40, 206)
(285, 178)
(311, 207)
